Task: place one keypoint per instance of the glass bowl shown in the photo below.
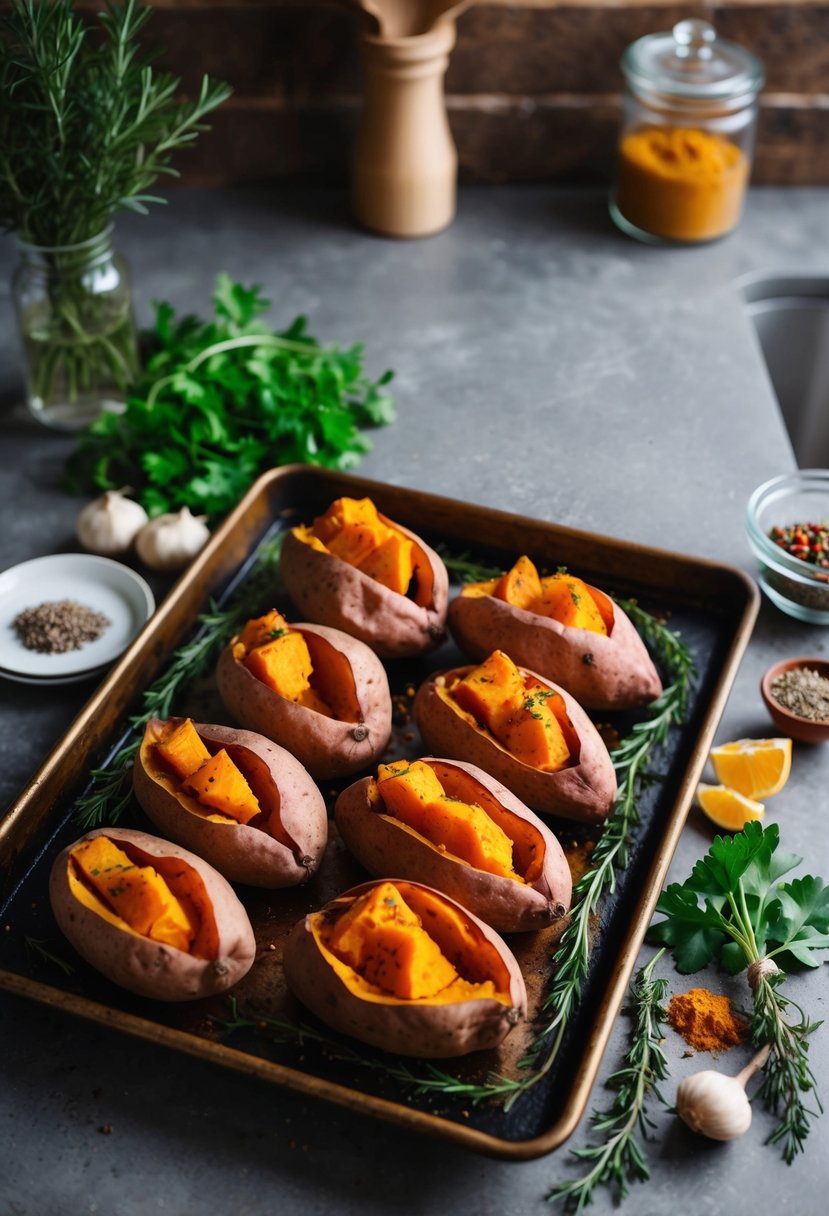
(797, 587)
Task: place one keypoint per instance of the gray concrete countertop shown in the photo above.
(547, 365)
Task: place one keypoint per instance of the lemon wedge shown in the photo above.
(756, 768)
(727, 808)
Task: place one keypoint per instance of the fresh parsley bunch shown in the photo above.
(220, 401)
(734, 909)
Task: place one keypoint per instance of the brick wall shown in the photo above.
(532, 88)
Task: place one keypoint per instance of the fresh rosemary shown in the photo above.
(619, 1158)
(734, 909)
(87, 125)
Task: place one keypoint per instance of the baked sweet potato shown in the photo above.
(528, 732)
(356, 570)
(456, 828)
(329, 705)
(561, 627)
(150, 916)
(404, 968)
(233, 797)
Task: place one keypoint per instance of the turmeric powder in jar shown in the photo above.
(686, 141)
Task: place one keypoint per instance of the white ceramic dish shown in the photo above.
(99, 583)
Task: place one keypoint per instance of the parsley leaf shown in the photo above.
(221, 400)
(734, 909)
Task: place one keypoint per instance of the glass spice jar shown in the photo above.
(74, 312)
(687, 135)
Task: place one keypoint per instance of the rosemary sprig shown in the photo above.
(734, 909)
(619, 1158)
(787, 1076)
(571, 961)
(111, 789)
(35, 946)
(463, 565)
(297, 1032)
(87, 124)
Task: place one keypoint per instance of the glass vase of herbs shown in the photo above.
(87, 125)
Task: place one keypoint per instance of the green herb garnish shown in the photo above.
(87, 124)
(221, 401)
(619, 1158)
(735, 910)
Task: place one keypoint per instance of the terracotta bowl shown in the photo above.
(802, 729)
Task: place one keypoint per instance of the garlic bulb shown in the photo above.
(110, 524)
(714, 1104)
(170, 542)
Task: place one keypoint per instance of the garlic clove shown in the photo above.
(714, 1105)
(170, 542)
(108, 525)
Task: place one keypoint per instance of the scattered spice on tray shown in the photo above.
(809, 542)
(706, 1021)
(803, 691)
(59, 625)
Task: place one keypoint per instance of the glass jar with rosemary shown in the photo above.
(87, 125)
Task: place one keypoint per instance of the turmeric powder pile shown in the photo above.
(681, 184)
(706, 1021)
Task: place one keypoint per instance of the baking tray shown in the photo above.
(712, 606)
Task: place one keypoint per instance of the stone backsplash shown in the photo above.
(532, 88)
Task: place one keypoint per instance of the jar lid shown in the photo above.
(691, 61)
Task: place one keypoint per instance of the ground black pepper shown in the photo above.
(59, 625)
(804, 692)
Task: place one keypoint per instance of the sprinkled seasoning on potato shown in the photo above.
(404, 968)
(529, 733)
(561, 627)
(454, 827)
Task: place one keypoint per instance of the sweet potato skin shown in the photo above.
(426, 1031)
(326, 747)
(612, 672)
(382, 844)
(242, 852)
(583, 791)
(328, 590)
(149, 968)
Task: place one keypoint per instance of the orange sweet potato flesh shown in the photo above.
(522, 716)
(182, 749)
(533, 732)
(350, 529)
(354, 531)
(260, 630)
(527, 846)
(520, 585)
(332, 680)
(491, 690)
(138, 894)
(413, 794)
(392, 563)
(569, 601)
(220, 784)
(384, 942)
(284, 664)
